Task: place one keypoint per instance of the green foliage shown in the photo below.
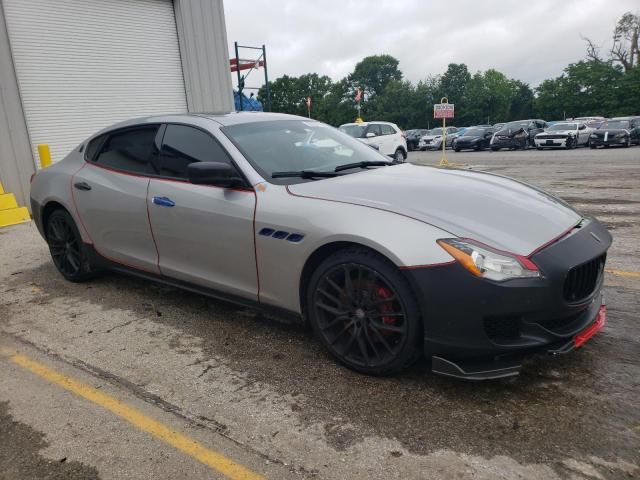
(588, 87)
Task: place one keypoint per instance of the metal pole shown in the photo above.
(239, 78)
(266, 78)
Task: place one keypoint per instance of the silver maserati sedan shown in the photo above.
(387, 262)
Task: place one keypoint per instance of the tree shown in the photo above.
(374, 73)
(626, 41)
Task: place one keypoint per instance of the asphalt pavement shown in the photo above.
(216, 389)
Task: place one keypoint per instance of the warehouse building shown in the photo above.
(69, 68)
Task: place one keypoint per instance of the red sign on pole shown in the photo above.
(443, 110)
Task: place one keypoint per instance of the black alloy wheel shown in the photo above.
(66, 247)
(363, 311)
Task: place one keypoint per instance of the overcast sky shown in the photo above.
(526, 40)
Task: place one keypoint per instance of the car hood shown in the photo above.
(469, 138)
(492, 209)
(612, 131)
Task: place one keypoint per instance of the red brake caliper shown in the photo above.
(385, 307)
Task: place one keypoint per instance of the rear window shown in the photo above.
(129, 150)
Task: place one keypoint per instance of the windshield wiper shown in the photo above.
(365, 164)
(306, 174)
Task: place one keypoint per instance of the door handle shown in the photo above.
(82, 186)
(163, 201)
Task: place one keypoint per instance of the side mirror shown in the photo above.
(582, 127)
(370, 135)
(213, 173)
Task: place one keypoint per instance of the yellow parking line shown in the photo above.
(622, 273)
(181, 442)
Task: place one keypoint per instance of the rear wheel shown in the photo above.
(364, 312)
(457, 149)
(591, 145)
(399, 155)
(67, 250)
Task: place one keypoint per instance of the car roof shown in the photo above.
(232, 118)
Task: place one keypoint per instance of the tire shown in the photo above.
(592, 146)
(569, 143)
(456, 149)
(399, 155)
(539, 148)
(494, 149)
(68, 251)
(364, 312)
(628, 144)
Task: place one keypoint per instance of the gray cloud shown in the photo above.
(529, 41)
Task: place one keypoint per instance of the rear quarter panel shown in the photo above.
(53, 184)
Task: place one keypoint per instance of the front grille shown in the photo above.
(502, 328)
(552, 137)
(582, 280)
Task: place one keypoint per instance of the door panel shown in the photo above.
(114, 212)
(205, 235)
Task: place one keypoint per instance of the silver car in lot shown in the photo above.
(387, 262)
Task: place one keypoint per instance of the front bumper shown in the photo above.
(477, 329)
(551, 142)
(499, 143)
(611, 140)
(464, 145)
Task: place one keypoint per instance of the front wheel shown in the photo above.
(67, 250)
(399, 155)
(628, 144)
(363, 310)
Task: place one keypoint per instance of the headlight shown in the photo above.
(486, 263)
(593, 135)
(620, 135)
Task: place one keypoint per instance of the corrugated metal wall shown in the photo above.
(204, 50)
(85, 65)
(200, 71)
(16, 162)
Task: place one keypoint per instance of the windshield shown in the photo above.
(436, 131)
(620, 124)
(563, 126)
(294, 145)
(355, 131)
(474, 132)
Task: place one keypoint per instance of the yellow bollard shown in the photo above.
(45, 155)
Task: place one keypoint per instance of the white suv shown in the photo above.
(385, 137)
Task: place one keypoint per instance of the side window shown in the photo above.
(92, 148)
(183, 145)
(387, 129)
(374, 128)
(129, 150)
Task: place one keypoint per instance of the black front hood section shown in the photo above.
(612, 132)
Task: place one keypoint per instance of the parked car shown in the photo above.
(564, 135)
(288, 215)
(622, 132)
(385, 135)
(413, 138)
(517, 135)
(433, 140)
(498, 126)
(473, 138)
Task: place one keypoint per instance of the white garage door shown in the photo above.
(85, 64)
